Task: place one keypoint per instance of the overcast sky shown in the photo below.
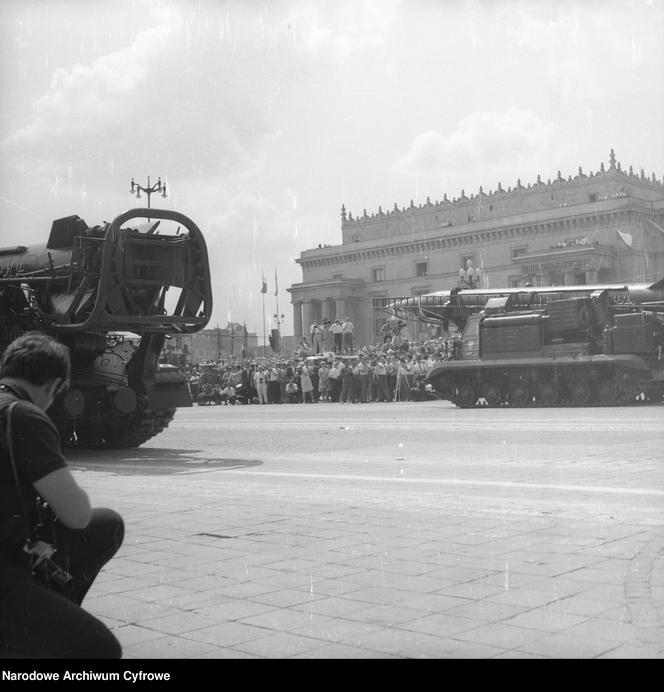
(265, 117)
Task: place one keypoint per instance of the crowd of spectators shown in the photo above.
(394, 370)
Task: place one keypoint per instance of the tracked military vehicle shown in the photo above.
(112, 293)
(558, 346)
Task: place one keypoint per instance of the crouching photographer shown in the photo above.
(53, 544)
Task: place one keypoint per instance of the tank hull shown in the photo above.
(594, 380)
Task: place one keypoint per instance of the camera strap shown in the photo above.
(10, 451)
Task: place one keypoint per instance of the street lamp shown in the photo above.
(150, 189)
(470, 277)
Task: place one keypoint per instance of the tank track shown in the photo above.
(125, 434)
(547, 388)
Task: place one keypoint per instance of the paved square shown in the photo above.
(387, 531)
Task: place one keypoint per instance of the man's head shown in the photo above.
(41, 364)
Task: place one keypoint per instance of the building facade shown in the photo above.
(210, 345)
(603, 227)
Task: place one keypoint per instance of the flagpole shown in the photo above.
(263, 292)
(276, 295)
(264, 346)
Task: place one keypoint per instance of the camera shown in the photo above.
(51, 574)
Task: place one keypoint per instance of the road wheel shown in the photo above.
(466, 395)
(607, 392)
(520, 395)
(493, 394)
(548, 393)
(581, 392)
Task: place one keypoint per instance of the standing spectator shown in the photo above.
(261, 384)
(335, 330)
(402, 391)
(347, 380)
(325, 335)
(382, 388)
(335, 372)
(273, 386)
(235, 376)
(194, 379)
(282, 377)
(364, 374)
(249, 383)
(391, 368)
(315, 379)
(324, 381)
(347, 334)
(307, 385)
(355, 397)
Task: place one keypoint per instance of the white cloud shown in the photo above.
(487, 139)
(85, 100)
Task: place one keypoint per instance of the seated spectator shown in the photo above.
(292, 391)
(227, 395)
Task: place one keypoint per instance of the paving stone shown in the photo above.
(546, 620)
(498, 634)
(227, 634)
(566, 645)
(282, 645)
(166, 648)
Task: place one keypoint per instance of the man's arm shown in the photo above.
(65, 497)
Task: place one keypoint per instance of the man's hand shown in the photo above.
(43, 551)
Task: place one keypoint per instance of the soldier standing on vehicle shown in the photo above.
(347, 332)
(335, 329)
(316, 332)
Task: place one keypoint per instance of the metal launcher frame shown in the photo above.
(120, 277)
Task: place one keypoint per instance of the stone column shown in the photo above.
(309, 315)
(340, 309)
(297, 318)
(359, 328)
(328, 309)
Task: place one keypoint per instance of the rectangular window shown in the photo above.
(421, 268)
(378, 274)
(421, 290)
(515, 281)
(466, 261)
(519, 251)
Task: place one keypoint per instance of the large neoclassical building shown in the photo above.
(601, 227)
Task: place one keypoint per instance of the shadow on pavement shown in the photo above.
(151, 461)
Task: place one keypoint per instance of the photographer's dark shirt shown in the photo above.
(37, 451)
